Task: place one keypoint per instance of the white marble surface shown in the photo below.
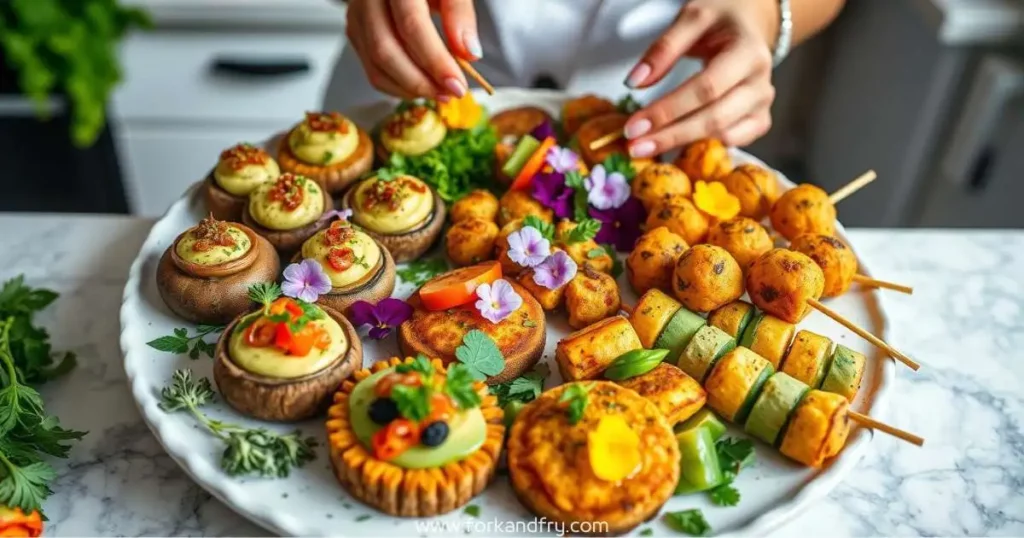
(965, 323)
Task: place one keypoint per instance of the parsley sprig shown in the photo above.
(29, 344)
(180, 342)
(690, 522)
(247, 451)
(417, 272)
(733, 455)
(413, 402)
(524, 388)
(546, 229)
(584, 231)
(575, 396)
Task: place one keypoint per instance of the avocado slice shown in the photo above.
(705, 418)
(524, 150)
(744, 411)
(778, 399)
(678, 332)
(705, 348)
(845, 373)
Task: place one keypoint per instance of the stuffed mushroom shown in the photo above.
(240, 169)
(329, 148)
(402, 213)
(287, 211)
(412, 131)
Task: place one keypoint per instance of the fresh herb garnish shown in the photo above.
(524, 388)
(595, 252)
(647, 532)
(248, 451)
(734, 454)
(417, 272)
(459, 386)
(576, 397)
(363, 517)
(546, 229)
(584, 231)
(413, 402)
(690, 522)
(724, 495)
(480, 354)
(29, 344)
(180, 342)
(617, 268)
(264, 293)
(628, 105)
(420, 364)
(328, 156)
(617, 162)
(581, 208)
(472, 510)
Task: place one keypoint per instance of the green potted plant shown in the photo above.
(67, 47)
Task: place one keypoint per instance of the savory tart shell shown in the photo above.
(222, 204)
(284, 400)
(550, 472)
(334, 177)
(215, 294)
(408, 246)
(520, 337)
(404, 492)
(288, 242)
(374, 287)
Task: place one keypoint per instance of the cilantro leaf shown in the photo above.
(180, 342)
(480, 354)
(264, 293)
(417, 272)
(459, 386)
(690, 522)
(472, 510)
(413, 402)
(724, 495)
(546, 229)
(734, 454)
(584, 231)
(420, 364)
(575, 395)
(525, 388)
(617, 162)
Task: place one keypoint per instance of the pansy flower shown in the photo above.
(382, 317)
(620, 226)
(305, 280)
(550, 190)
(528, 247)
(556, 271)
(604, 190)
(497, 300)
(561, 160)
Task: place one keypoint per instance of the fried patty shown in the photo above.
(518, 121)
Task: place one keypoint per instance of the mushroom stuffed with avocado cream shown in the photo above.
(287, 211)
(358, 267)
(239, 171)
(204, 276)
(283, 361)
(412, 131)
(401, 212)
(329, 148)
(414, 421)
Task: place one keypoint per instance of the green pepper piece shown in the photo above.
(698, 464)
(634, 363)
(705, 418)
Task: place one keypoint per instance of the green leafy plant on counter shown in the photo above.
(68, 47)
(248, 450)
(28, 434)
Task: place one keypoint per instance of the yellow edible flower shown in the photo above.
(614, 449)
(713, 199)
(461, 113)
(14, 522)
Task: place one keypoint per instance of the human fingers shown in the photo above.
(386, 51)
(692, 22)
(748, 129)
(377, 78)
(425, 46)
(458, 18)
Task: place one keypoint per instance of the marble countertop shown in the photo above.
(965, 324)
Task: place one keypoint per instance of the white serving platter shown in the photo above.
(311, 503)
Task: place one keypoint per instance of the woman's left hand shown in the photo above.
(730, 99)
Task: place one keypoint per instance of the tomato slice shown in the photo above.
(533, 165)
(397, 437)
(458, 287)
(261, 333)
(441, 408)
(341, 258)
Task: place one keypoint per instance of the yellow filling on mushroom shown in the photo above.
(244, 180)
(405, 209)
(270, 361)
(201, 252)
(274, 215)
(323, 147)
(413, 132)
(362, 256)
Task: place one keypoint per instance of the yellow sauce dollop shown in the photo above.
(365, 250)
(413, 132)
(323, 147)
(217, 254)
(272, 362)
(242, 180)
(413, 207)
(273, 215)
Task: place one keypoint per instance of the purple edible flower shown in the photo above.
(305, 280)
(562, 160)
(528, 247)
(341, 214)
(382, 318)
(604, 190)
(544, 130)
(620, 226)
(497, 300)
(556, 271)
(549, 189)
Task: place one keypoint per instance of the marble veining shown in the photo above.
(964, 324)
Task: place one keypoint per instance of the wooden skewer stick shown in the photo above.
(605, 140)
(852, 187)
(628, 309)
(475, 75)
(875, 283)
(876, 341)
(869, 422)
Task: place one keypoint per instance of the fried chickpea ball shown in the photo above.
(744, 238)
(803, 209)
(508, 267)
(707, 277)
(548, 299)
(582, 252)
(518, 204)
(836, 259)
(577, 111)
(590, 297)
(471, 241)
(781, 281)
(659, 182)
(706, 159)
(479, 204)
(756, 188)
(681, 217)
(653, 260)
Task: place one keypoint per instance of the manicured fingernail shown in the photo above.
(454, 86)
(638, 75)
(472, 44)
(444, 98)
(642, 149)
(637, 128)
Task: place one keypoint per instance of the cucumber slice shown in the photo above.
(845, 373)
(751, 328)
(778, 399)
(524, 150)
(752, 394)
(706, 347)
(677, 333)
(704, 418)
(733, 318)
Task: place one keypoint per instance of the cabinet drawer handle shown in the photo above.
(260, 68)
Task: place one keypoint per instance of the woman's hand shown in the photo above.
(730, 98)
(402, 52)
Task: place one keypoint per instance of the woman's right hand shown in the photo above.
(402, 52)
